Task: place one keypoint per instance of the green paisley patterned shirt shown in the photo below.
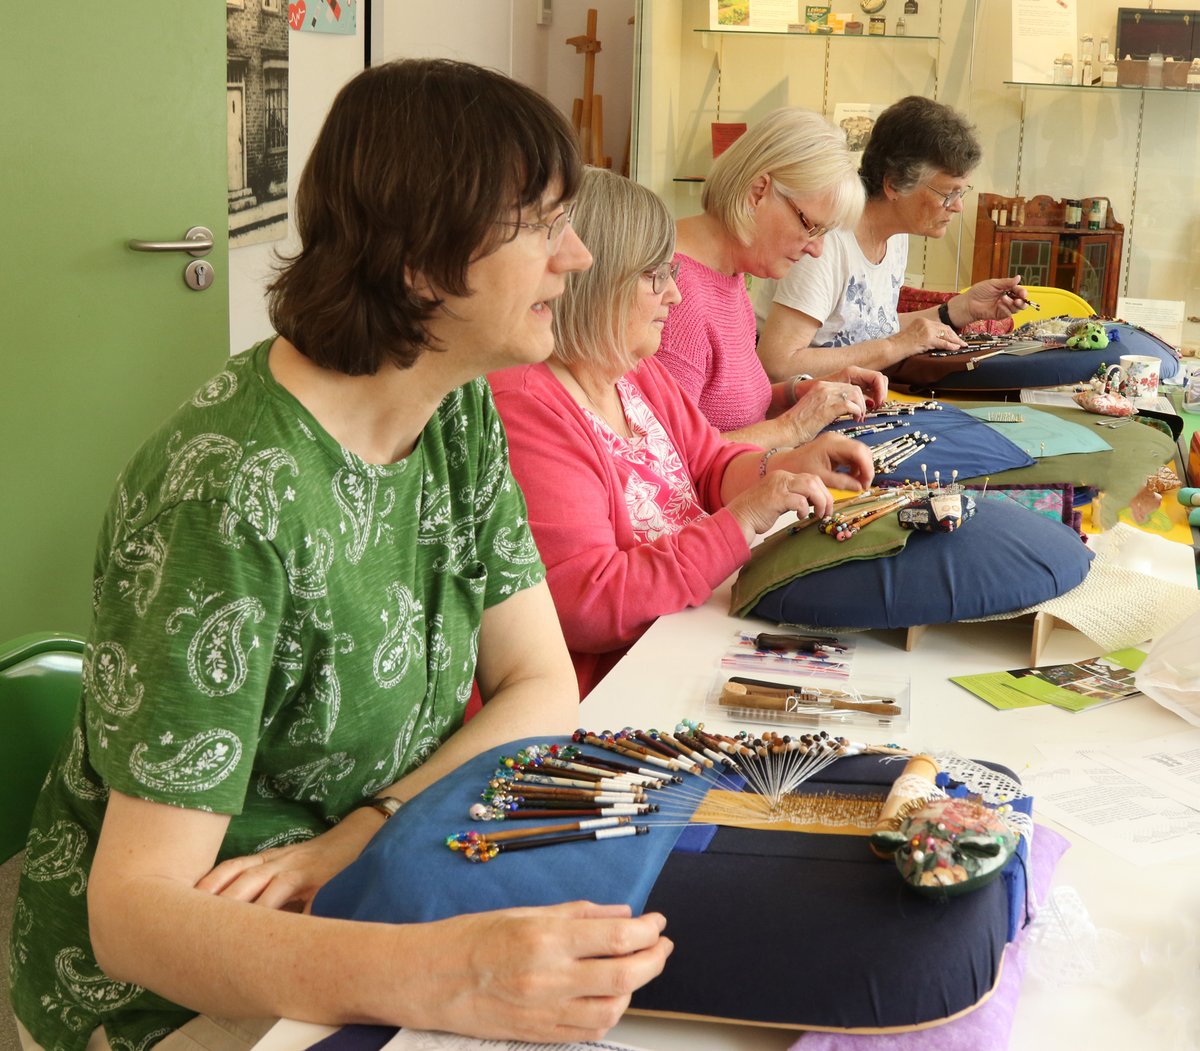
(279, 630)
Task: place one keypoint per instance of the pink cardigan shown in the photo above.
(608, 588)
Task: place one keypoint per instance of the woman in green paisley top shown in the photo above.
(298, 578)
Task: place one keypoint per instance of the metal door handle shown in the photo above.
(197, 241)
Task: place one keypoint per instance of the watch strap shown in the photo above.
(386, 805)
(944, 317)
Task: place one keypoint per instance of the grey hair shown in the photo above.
(628, 230)
(913, 139)
(802, 152)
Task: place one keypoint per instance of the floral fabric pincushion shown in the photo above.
(949, 846)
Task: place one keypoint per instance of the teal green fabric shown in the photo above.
(1044, 434)
(280, 629)
(1136, 453)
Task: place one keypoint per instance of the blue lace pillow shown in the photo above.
(1004, 558)
(1049, 368)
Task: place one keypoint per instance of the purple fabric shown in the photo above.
(987, 1028)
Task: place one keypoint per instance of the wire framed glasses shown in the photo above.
(660, 274)
(556, 228)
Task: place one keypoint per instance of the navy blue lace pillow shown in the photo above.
(1004, 558)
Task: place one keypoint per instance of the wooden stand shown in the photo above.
(1042, 623)
(587, 113)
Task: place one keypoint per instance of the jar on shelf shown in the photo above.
(1193, 75)
(901, 26)
(1096, 213)
(1154, 70)
(1074, 213)
(877, 26)
(1108, 75)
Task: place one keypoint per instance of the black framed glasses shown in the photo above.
(556, 228)
(660, 275)
(811, 231)
(949, 200)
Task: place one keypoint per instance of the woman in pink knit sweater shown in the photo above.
(639, 507)
(769, 199)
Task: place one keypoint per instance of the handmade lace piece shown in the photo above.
(992, 787)
(1067, 948)
(1116, 606)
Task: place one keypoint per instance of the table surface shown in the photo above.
(1143, 912)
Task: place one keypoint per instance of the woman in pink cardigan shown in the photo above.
(639, 507)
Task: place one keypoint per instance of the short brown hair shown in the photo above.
(913, 139)
(415, 164)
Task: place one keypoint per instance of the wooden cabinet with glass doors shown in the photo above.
(1032, 238)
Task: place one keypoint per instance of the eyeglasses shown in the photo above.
(556, 228)
(811, 232)
(659, 275)
(949, 200)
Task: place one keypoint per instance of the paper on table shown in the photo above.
(1064, 399)
(1170, 763)
(1082, 790)
(1076, 687)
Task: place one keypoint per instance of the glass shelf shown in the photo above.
(1096, 88)
(814, 36)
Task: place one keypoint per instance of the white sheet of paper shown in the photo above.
(1171, 764)
(1082, 790)
(1163, 317)
(1041, 31)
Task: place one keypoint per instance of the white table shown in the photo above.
(669, 673)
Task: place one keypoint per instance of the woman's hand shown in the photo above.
(783, 489)
(839, 462)
(922, 334)
(561, 972)
(819, 402)
(993, 299)
(874, 385)
(289, 877)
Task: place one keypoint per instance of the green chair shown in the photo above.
(39, 691)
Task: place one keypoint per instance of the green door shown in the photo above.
(113, 127)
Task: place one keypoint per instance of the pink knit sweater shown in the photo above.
(608, 588)
(708, 345)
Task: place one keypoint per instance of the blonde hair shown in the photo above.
(804, 155)
(628, 230)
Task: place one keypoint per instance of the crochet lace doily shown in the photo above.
(1116, 606)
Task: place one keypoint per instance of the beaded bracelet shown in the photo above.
(762, 464)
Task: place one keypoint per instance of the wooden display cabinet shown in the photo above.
(1031, 238)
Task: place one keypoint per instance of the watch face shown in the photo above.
(872, 7)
